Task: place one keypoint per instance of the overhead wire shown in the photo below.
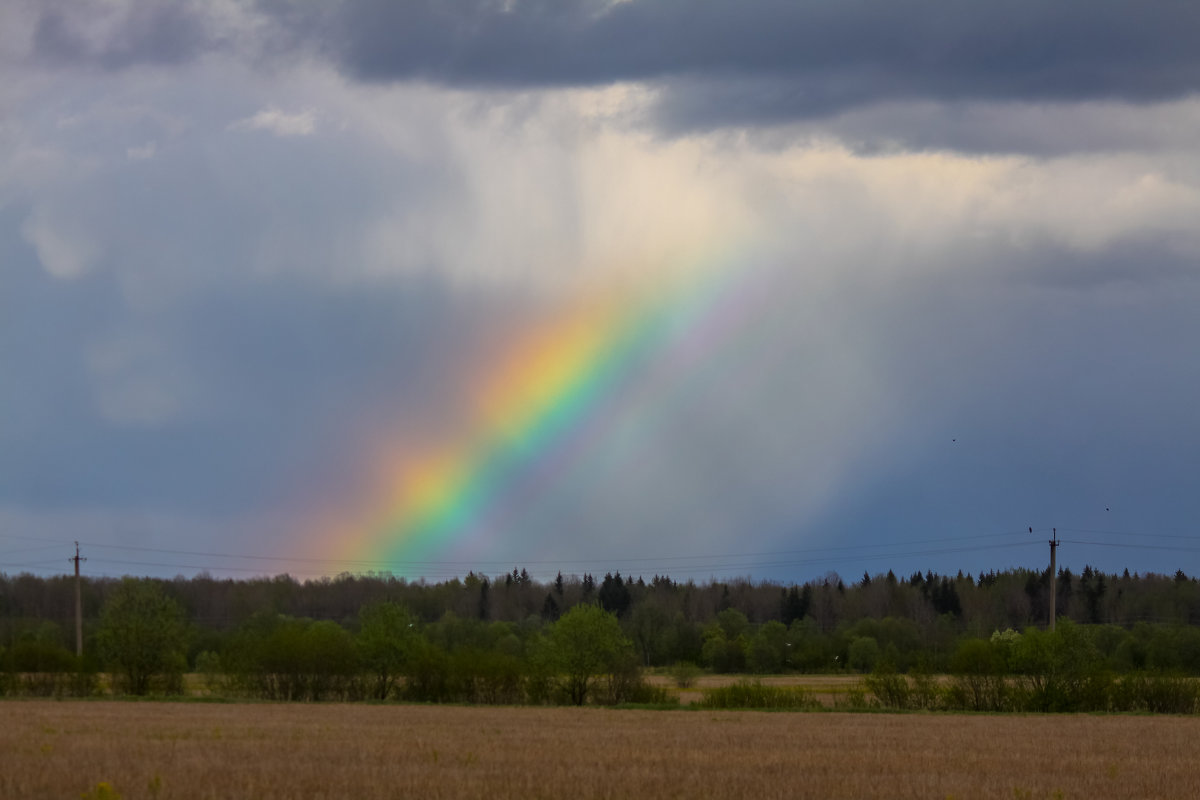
(683, 564)
(504, 562)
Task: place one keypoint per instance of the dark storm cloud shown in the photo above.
(718, 62)
(811, 55)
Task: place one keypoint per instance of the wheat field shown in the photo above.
(54, 749)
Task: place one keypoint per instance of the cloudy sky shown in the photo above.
(851, 286)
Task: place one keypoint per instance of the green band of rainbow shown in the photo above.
(551, 399)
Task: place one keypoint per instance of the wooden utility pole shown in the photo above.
(1053, 577)
(78, 604)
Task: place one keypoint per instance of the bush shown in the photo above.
(855, 699)
(890, 688)
(684, 673)
(978, 683)
(1157, 693)
(208, 664)
(39, 668)
(623, 683)
(281, 658)
(979, 693)
(485, 676)
(752, 694)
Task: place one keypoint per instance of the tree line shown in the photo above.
(511, 639)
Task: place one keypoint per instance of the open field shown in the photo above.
(54, 749)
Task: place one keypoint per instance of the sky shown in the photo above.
(722, 289)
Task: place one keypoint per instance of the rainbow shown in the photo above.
(551, 398)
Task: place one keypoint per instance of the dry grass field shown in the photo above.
(54, 749)
(825, 689)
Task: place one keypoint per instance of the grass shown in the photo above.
(757, 695)
(829, 691)
(188, 750)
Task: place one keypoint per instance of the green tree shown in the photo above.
(733, 622)
(284, 658)
(585, 643)
(385, 639)
(809, 650)
(329, 660)
(649, 625)
(1061, 671)
(143, 637)
(767, 651)
(863, 653)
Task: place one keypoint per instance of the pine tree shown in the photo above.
(549, 608)
(485, 602)
(614, 595)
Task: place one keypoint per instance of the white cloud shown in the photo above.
(143, 153)
(278, 122)
(65, 248)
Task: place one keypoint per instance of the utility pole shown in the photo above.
(78, 604)
(1053, 576)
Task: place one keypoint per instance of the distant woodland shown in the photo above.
(510, 638)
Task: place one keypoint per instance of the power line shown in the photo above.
(247, 563)
(528, 562)
(1134, 546)
(446, 569)
(1135, 534)
(7, 553)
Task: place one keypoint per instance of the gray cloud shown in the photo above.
(718, 63)
(268, 387)
(838, 53)
(981, 127)
(230, 324)
(115, 37)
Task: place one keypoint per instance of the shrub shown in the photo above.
(978, 683)
(208, 664)
(684, 673)
(855, 699)
(282, 658)
(43, 669)
(889, 687)
(752, 694)
(1157, 693)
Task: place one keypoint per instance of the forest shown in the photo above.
(575, 640)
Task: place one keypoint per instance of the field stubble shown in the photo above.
(54, 749)
(826, 690)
